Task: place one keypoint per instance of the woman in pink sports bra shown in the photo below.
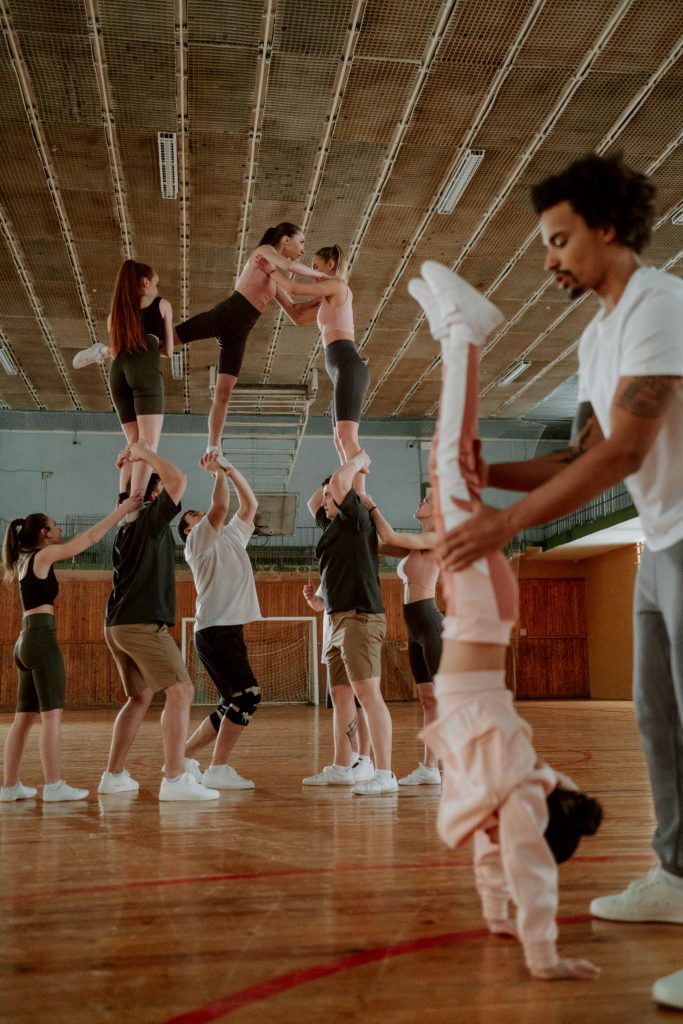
(231, 320)
(331, 306)
(418, 571)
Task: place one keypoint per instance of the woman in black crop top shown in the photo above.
(140, 329)
(30, 550)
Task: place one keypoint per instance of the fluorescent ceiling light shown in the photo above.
(461, 178)
(677, 217)
(515, 371)
(177, 366)
(168, 164)
(7, 362)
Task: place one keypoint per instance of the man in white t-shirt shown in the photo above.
(595, 218)
(216, 553)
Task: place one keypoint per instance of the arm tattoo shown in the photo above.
(647, 397)
(585, 432)
(352, 729)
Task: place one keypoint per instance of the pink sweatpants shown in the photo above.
(495, 788)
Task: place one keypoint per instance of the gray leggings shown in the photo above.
(42, 683)
(658, 692)
(350, 378)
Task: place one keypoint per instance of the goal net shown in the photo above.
(283, 654)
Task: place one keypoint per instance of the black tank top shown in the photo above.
(35, 591)
(152, 320)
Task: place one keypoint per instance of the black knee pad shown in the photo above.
(243, 704)
(571, 815)
(218, 715)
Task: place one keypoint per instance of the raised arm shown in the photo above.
(82, 541)
(423, 541)
(315, 502)
(248, 502)
(167, 316)
(220, 496)
(341, 480)
(174, 480)
(273, 256)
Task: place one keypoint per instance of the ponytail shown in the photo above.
(126, 333)
(334, 254)
(274, 236)
(21, 536)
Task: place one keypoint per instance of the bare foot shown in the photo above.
(582, 969)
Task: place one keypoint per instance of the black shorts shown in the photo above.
(350, 379)
(424, 623)
(137, 385)
(223, 653)
(230, 323)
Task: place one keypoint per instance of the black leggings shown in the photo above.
(424, 623)
(42, 683)
(229, 323)
(137, 385)
(350, 379)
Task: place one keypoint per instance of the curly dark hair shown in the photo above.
(606, 193)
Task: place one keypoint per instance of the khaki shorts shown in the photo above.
(354, 650)
(146, 655)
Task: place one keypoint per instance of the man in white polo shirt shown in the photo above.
(216, 553)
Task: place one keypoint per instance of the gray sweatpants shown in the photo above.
(658, 692)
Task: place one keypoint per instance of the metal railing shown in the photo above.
(297, 552)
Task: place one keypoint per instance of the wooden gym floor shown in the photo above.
(295, 905)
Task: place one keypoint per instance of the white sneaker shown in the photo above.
(422, 294)
(422, 776)
(669, 991)
(459, 302)
(363, 769)
(192, 768)
(185, 788)
(651, 898)
(97, 353)
(378, 785)
(17, 792)
(122, 782)
(224, 776)
(58, 791)
(331, 775)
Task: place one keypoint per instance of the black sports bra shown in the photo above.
(152, 320)
(35, 591)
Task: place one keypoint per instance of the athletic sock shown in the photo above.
(384, 773)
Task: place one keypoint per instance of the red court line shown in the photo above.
(226, 1005)
(158, 883)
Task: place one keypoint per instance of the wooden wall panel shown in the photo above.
(550, 661)
(91, 675)
(552, 607)
(552, 667)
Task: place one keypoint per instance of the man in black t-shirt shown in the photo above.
(349, 582)
(140, 609)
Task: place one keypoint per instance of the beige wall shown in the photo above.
(610, 579)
